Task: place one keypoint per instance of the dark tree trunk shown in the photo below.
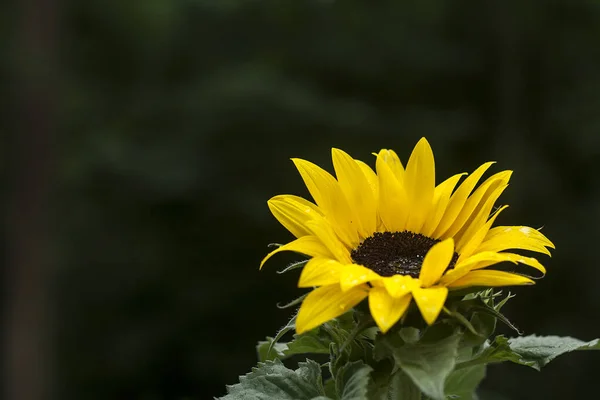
(28, 274)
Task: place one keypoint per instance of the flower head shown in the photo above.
(395, 236)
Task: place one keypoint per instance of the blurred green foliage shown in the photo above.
(177, 120)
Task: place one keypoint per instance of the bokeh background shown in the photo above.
(142, 139)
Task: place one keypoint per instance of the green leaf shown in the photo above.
(309, 342)
(347, 335)
(538, 351)
(462, 383)
(532, 351)
(288, 327)
(402, 387)
(394, 339)
(480, 305)
(272, 380)
(410, 334)
(352, 381)
(362, 323)
(498, 351)
(462, 320)
(277, 350)
(381, 378)
(337, 359)
(329, 388)
(427, 363)
(484, 325)
(504, 301)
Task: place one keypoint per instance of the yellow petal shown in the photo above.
(329, 197)
(457, 201)
(490, 278)
(525, 230)
(515, 258)
(478, 200)
(393, 161)
(393, 203)
(325, 233)
(293, 212)
(430, 302)
(472, 237)
(385, 309)
(320, 271)
(399, 285)
(515, 237)
(441, 197)
(436, 261)
(326, 303)
(353, 275)
(479, 260)
(486, 259)
(371, 177)
(419, 183)
(309, 245)
(357, 190)
(487, 256)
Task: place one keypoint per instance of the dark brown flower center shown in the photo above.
(395, 253)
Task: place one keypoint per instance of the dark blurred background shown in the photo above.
(141, 140)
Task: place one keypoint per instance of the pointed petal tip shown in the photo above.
(423, 142)
(264, 260)
(271, 202)
(325, 303)
(487, 164)
(430, 302)
(505, 175)
(423, 146)
(271, 254)
(298, 160)
(320, 271)
(386, 310)
(436, 261)
(490, 278)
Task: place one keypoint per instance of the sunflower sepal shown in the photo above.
(292, 303)
(293, 266)
(462, 320)
(485, 305)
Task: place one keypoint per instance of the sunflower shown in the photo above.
(393, 236)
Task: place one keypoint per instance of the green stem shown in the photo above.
(361, 326)
(470, 363)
